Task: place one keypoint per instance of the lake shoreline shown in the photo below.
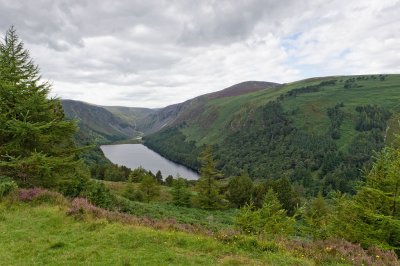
(139, 155)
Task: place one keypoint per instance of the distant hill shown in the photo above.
(104, 124)
(192, 109)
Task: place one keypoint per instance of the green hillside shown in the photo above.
(318, 126)
(104, 124)
(42, 227)
(192, 109)
(131, 115)
(43, 234)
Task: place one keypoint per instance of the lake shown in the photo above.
(136, 155)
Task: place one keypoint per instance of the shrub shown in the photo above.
(333, 250)
(133, 194)
(81, 208)
(95, 191)
(39, 195)
(99, 195)
(240, 189)
(251, 243)
(270, 220)
(149, 187)
(7, 185)
(180, 193)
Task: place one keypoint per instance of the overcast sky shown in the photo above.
(155, 53)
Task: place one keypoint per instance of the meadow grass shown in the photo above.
(44, 235)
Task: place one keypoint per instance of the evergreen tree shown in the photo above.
(316, 215)
(159, 177)
(169, 180)
(208, 196)
(137, 174)
(240, 189)
(149, 187)
(372, 216)
(270, 220)
(180, 192)
(286, 194)
(274, 219)
(36, 142)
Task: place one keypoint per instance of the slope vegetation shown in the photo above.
(320, 132)
(104, 124)
(42, 234)
(190, 111)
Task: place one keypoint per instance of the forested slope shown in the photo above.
(319, 132)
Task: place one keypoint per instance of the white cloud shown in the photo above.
(155, 53)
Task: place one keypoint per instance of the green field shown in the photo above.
(42, 234)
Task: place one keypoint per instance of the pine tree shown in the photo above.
(316, 216)
(270, 220)
(149, 187)
(240, 189)
(286, 194)
(36, 142)
(180, 193)
(274, 219)
(372, 216)
(169, 180)
(208, 196)
(159, 177)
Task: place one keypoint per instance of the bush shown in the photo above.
(7, 185)
(330, 251)
(270, 220)
(149, 187)
(94, 191)
(40, 195)
(240, 189)
(180, 193)
(133, 194)
(99, 195)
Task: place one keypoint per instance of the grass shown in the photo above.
(41, 227)
(162, 208)
(44, 235)
(119, 188)
(312, 107)
(214, 220)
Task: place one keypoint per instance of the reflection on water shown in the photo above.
(136, 155)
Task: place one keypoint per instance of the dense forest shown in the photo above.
(269, 145)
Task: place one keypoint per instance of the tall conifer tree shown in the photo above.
(36, 142)
(208, 196)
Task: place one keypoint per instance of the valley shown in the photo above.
(237, 122)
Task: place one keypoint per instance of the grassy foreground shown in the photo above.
(43, 234)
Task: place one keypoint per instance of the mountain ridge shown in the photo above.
(129, 122)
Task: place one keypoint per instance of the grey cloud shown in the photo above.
(155, 53)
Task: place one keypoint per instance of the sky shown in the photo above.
(155, 53)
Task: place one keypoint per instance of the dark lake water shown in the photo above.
(136, 155)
